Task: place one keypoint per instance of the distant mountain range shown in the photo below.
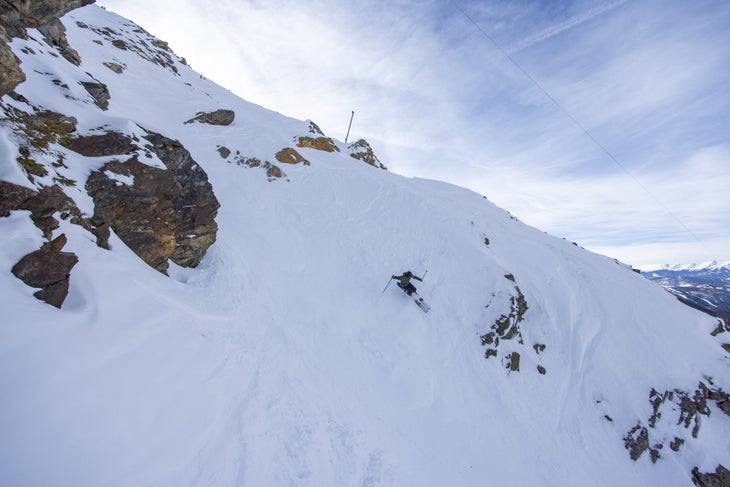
(703, 286)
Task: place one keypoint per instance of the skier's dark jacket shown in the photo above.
(405, 279)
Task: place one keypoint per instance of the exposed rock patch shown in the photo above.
(272, 170)
(164, 214)
(218, 117)
(54, 33)
(16, 15)
(318, 143)
(43, 204)
(687, 407)
(48, 269)
(224, 152)
(290, 156)
(117, 68)
(362, 151)
(721, 477)
(99, 92)
(106, 144)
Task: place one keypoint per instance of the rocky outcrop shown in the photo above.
(44, 204)
(161, 214)
(48, 269)
(688, 406)
(16, 16)
(218, 117)
(721, 477)
(362, 151)
(507, 328)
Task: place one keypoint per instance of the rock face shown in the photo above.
(15, 16)
(48, 269)
(160, 214)
(218, 117)
(10, 73)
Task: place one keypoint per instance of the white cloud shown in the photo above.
(437, 100)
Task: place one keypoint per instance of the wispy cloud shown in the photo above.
(647, 79)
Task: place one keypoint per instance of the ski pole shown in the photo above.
(386, 286)
(424, 274)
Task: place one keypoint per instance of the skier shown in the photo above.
(405, 282)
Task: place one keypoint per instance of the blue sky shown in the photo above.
(647, 79)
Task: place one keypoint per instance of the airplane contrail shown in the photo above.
(563, 26)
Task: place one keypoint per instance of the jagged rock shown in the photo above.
(726, 346)
(107, 144)
(43, 205)
(99, 92)
(218, 117)
(15, 16)
(541, 370)
(319, 143)
(362, 151)
(48, 269)
(290, 156)
(165, 213)
(54, 33)
(721, 477)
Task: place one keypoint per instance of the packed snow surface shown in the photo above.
(280, 361)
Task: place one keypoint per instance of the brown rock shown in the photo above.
(166, 214)
(290, 156)
(43, 205)
(107, 144)
(319, 143)
(48, 269)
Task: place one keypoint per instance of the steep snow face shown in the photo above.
(279, 360)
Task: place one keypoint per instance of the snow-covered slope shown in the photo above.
(279, 361)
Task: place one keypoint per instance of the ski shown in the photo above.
(422, 304)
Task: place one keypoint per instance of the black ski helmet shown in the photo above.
(408, 274)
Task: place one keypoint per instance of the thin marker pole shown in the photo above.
(349, 126)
